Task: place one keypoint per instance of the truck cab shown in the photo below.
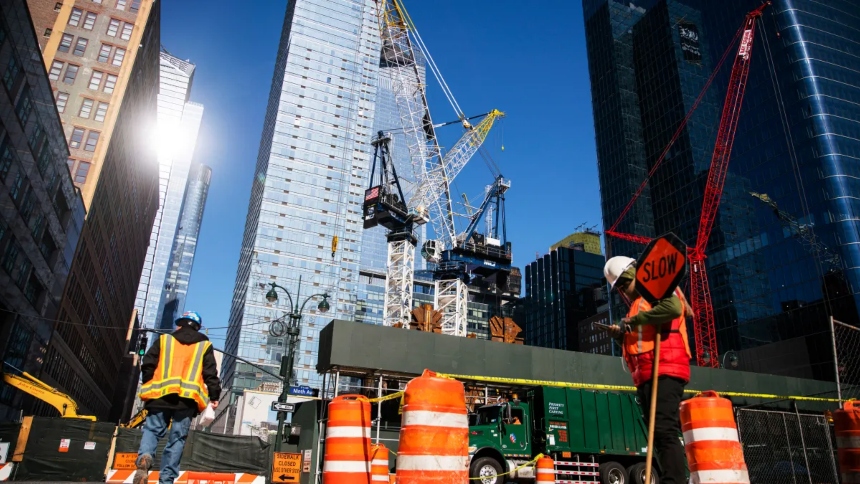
(500, 440)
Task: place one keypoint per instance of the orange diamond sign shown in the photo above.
(661, 267)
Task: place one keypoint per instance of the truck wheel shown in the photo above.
(612, 473)
(637, 474)
(487, 469)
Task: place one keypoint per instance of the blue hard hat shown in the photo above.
(192, 316)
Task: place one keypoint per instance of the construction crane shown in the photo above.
(64, 404)
(700, 291)
(804, 232)
(385, 203)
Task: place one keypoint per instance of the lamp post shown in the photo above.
(292, 330)
(733, 359)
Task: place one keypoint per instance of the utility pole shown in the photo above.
(292, 330)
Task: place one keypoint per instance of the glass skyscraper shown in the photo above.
(309, 182)
(797, 142)
(178, 124)
(184, 246)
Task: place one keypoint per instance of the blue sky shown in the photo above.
(529, 62)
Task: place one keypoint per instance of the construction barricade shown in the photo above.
(846, 422)
(188, 477)
(347, 442)
(434, 435)
(545, 470)
(379, 463)
(714, 452)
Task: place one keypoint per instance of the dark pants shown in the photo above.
(667, 427)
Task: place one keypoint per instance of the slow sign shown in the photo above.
(286, 467)
(661, 267)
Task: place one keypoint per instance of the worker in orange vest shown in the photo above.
(180, 379)
(637, 333)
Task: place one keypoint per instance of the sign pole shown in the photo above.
(652, 410)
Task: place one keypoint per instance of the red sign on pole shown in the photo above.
(661, 267)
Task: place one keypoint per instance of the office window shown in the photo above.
(24, 107)
(71, 163)
(10, 256)
(56, 69)
(81, 174)
(7, 156)
(66, 42)
(135, 5)
(92, 141)
(118, 56)
(77, 138)
(86, 108)
(11, 74)
(96, 80)
(15, 190)
(71, 74)
(104, 53)
(126, 31)
(80, 46)
(113, 27)
(89, 21)
(97, 1)
(110, 83)
(48, 32)
(62, 99)
(101, 111)
(58, 6)
(75, 17)
(120, 4)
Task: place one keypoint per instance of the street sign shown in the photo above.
(125, 461)
(286, 467)
(283, 407)
(302, 390)
(661, 267)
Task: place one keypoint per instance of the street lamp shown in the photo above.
(292, 329)
(733, 359)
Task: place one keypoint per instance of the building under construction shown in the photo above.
(661, 72)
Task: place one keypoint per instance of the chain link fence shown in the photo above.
(786, 447)
(846, 347)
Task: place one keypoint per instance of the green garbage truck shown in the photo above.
(593, 436)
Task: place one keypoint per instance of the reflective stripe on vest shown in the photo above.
(179, 372)
(642, 340)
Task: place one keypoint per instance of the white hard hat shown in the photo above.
(615, 267)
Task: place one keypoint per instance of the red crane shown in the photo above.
(700, 292)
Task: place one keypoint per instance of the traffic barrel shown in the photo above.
(846, 422)
(545, 470)
(347, 441)
(714, 452)
(379, 463)
(434, 435)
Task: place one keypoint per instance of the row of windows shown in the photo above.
(86, 107)
(80, 171)
(107, 53)
(78, 136)
(98, 80)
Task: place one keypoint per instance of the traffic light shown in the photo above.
(141, 344)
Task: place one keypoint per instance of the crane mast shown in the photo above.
(432, 172)
(700, 291)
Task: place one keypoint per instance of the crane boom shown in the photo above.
(700, 291)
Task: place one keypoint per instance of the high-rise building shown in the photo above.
(795, 142)
(562, 288)
(97, 308)
(587, 240)
(41, 212)
(178, 125)
(308, 185)
(184, 246)
(87, 52)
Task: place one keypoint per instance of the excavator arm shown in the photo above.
(137, 420)
(64, 404)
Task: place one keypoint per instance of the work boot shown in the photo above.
(144, 463)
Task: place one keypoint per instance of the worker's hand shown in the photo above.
(625, 321)
(214, 404)
(615, 331)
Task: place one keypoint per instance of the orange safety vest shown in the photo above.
(179, 371)
(675, 351)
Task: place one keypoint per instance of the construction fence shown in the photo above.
(846, 353)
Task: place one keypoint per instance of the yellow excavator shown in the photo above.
(64, 404)
(137, 420)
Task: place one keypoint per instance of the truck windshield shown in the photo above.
(488, 415)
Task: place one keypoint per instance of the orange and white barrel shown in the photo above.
(714, 452)
(434, 435)
(545, 470)
(379, 463)
(347, 441)
(846, 422)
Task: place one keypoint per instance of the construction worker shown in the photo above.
(637, 333)
(180, 378)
